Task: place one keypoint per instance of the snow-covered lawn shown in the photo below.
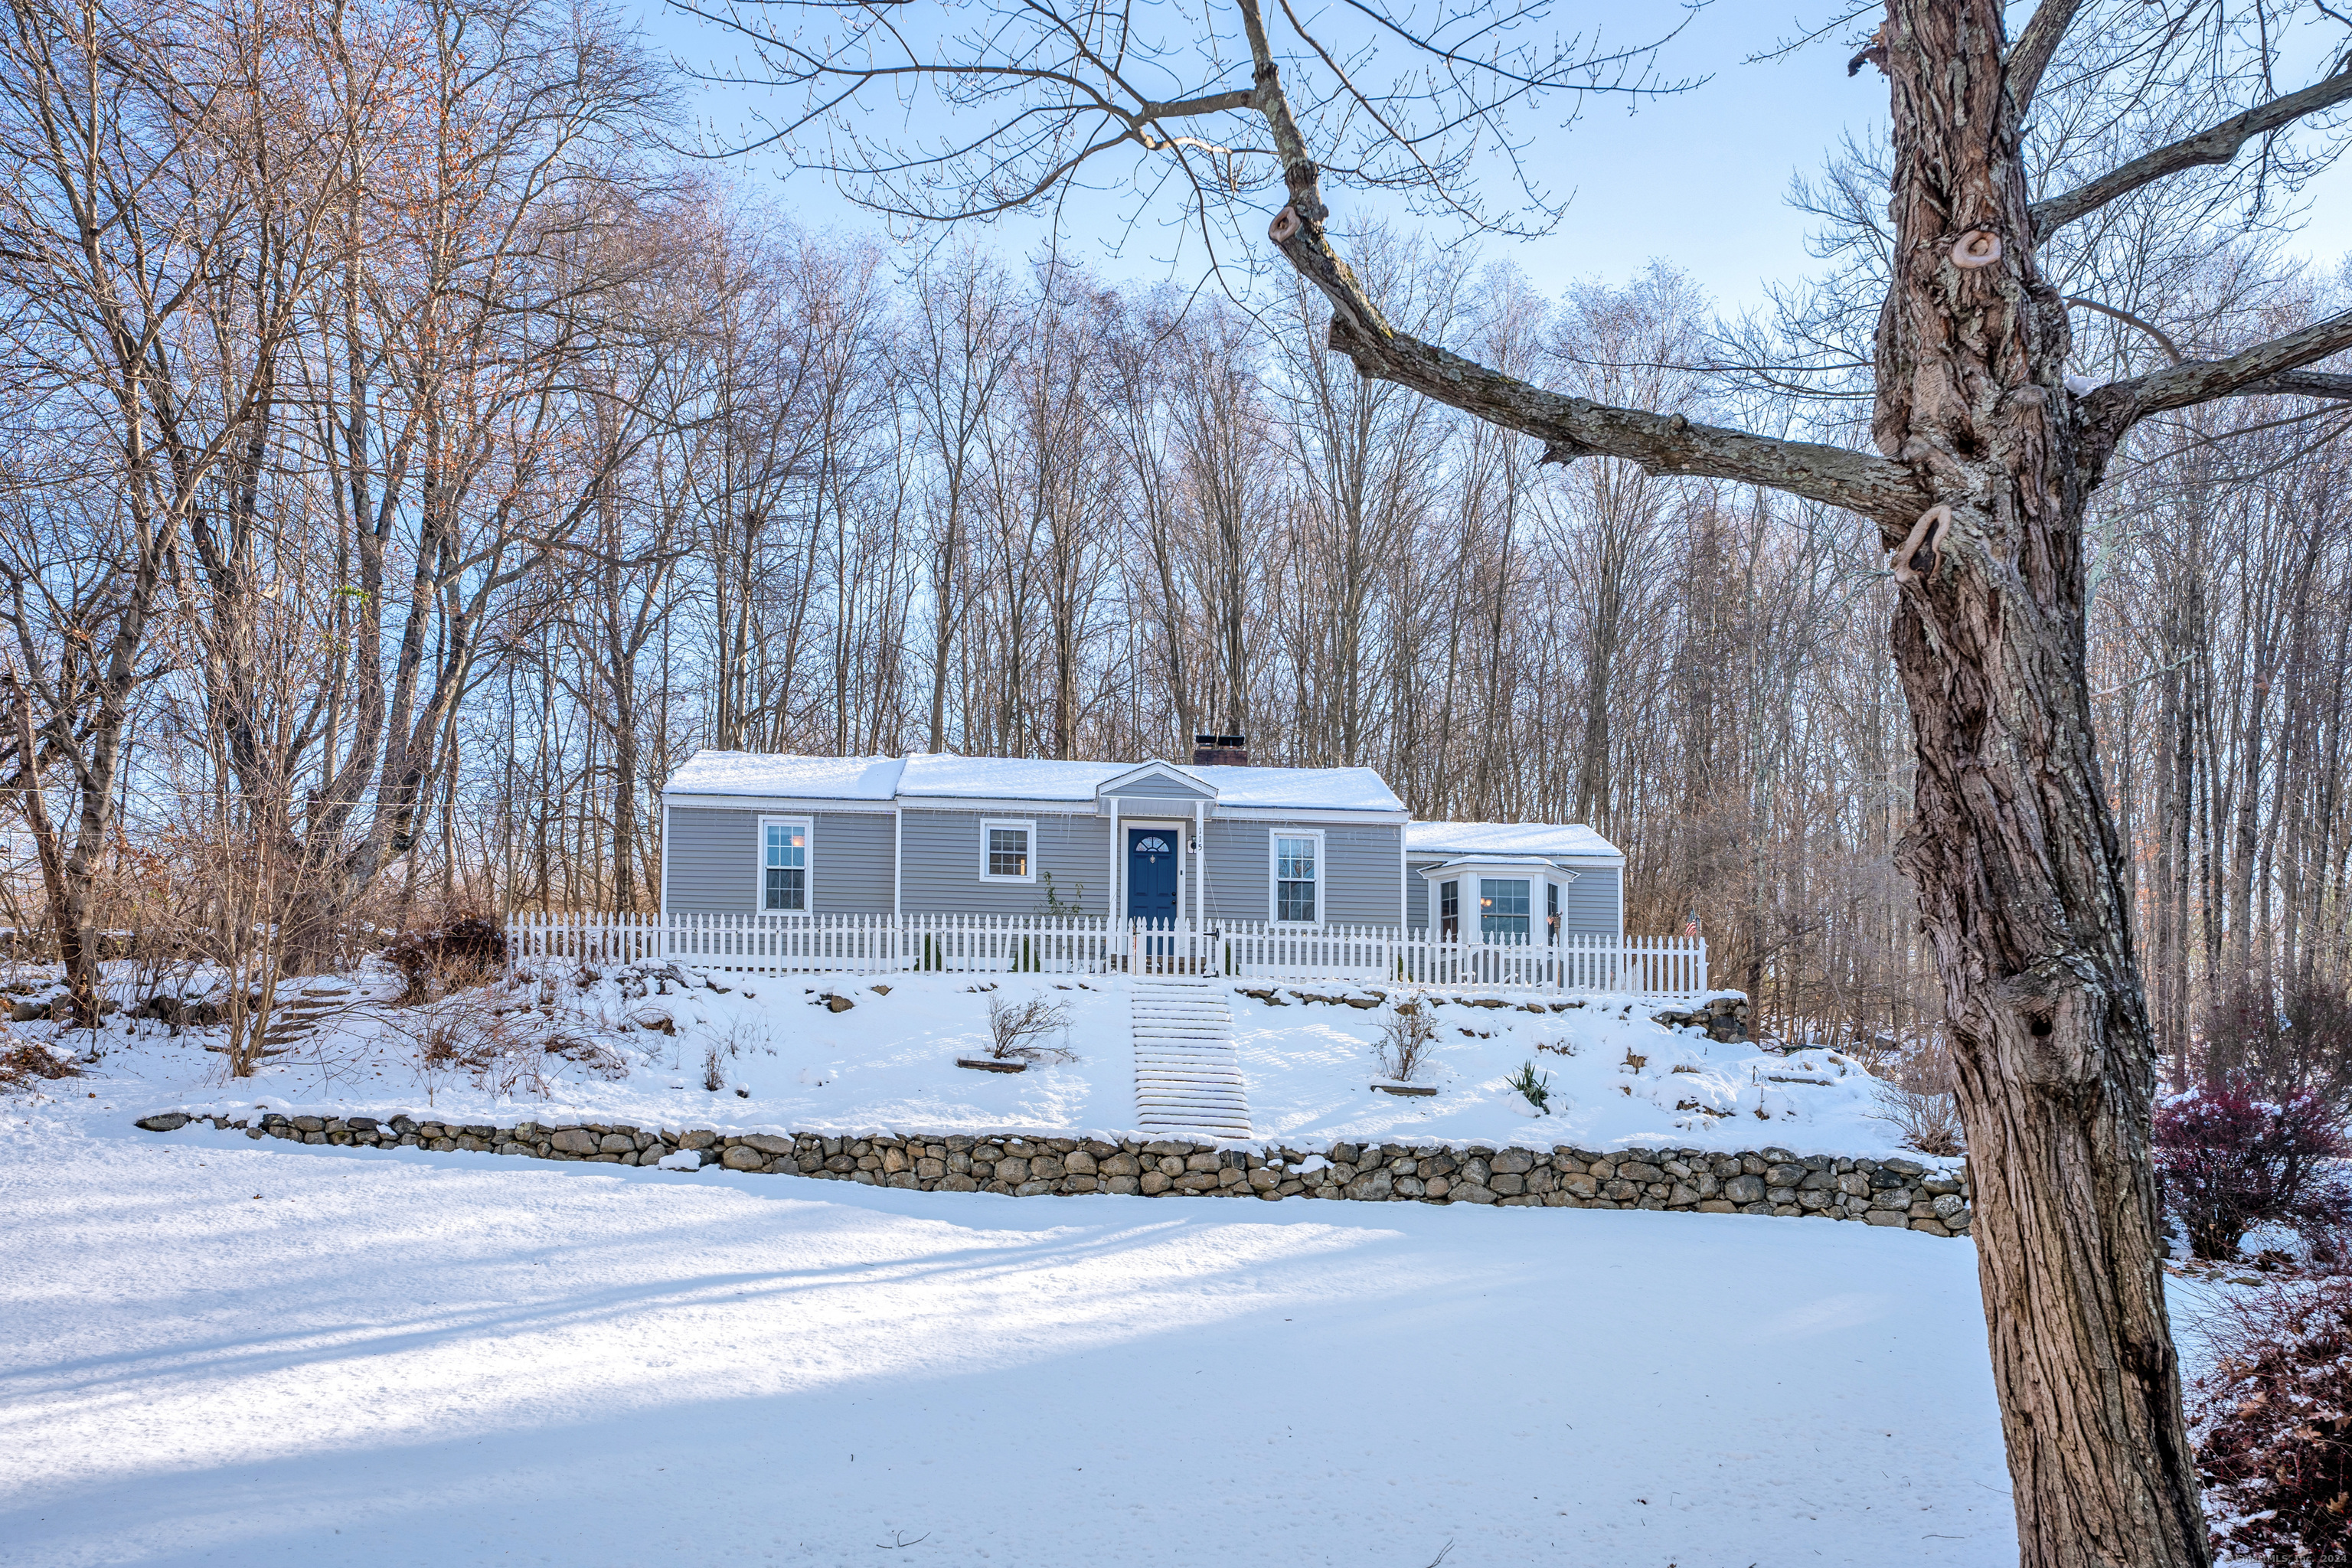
(212, 1349)
(640, 1049)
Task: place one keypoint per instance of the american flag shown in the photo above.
(1690, 926)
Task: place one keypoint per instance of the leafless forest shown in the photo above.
(408, 460)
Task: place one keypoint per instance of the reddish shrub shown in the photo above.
(2273, 1425)
(2229, 1163)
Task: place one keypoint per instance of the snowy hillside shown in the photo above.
(792, 1053)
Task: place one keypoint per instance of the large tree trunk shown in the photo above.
(2019, 874)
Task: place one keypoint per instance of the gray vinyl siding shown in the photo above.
(710, 861)
(1362, 863)
(942, 872)
(1590, 903)
(1416, 896)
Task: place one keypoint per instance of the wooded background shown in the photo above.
(405, 462)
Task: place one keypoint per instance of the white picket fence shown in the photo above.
(881, 944)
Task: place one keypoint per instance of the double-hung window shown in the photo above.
(1551, 911)
(1007, 851)
(1297, 877)
(1503, 908)
(1449, 911)
(783, 866)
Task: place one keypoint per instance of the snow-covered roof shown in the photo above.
(1492, 838)
(1005, 778)
(945, 775)
(762, 773)
(1332, 789)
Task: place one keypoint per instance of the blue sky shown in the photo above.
(1699, 179)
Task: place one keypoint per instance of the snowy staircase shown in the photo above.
(291, 1023)
(1188, 1077)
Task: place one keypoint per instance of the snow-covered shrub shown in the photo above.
(2274, 1424)
(1016, 1030)
(1405, 1040)
(462, 952)
(1535, 1087)
(2229, 1161)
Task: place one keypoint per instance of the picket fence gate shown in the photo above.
(1080, 944)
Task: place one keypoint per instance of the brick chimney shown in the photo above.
(1221, 750)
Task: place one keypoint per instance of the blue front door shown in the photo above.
(1151, 873)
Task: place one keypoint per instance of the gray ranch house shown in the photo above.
(1212, 846)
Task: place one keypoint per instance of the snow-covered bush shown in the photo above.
(2229, 1161)
(1534, 1087)
(2273, 1425)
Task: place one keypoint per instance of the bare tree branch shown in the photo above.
(1570, 427)
(2035, 45)
(2163, 339)
(2218, 144)
(2264, 367)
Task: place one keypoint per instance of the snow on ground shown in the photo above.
(215, 1349)
(1617, 1079)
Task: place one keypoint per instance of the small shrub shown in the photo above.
(1535, 1087)
(1405, 1042)
(1927, 1122)
(1016, 1029)
(2229, 1161)
(464, 952)
(2273, 1421)
(1916, 1095)
(714, 1071)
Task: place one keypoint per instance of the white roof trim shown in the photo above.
(1462, 863)
(829, 806)
(1155, 767)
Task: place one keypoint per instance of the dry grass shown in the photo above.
(501, 1048)
(26, 1063)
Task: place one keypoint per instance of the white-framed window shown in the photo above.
(1503, 908)
(1296, 865)
(784, 864)
(1008, 849)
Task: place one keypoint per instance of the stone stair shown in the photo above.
(1188, 1076)
(290, 1022)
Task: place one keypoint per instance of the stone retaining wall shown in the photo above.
(1771, 1181)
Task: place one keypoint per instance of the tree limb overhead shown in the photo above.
(2275, 366)
(2218, 144)
(2035, 45)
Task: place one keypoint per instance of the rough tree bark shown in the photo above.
(2020, 872)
